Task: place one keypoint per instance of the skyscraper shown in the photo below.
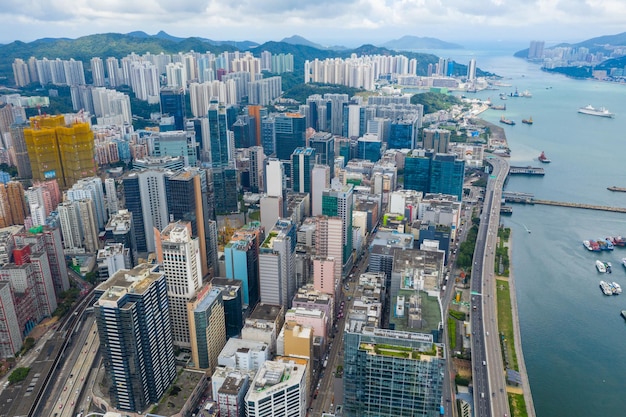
(417, 170)
(224, 174)
(97, 71)
(403, 133)
(70, 225)
(13, 207)
(471, 70)
(535, 51)
(48, 239)
(257, 163)
(328, 241)
(324, 145)
(241, 256)
(339, 202)
(320, 180)
(207, 327)
(187, 200)
(302, 161)
(133, 317)
(277, 264)
(146, 199)
(447, 173)
(179, 255)
(173, 104)
(436, 140)
(290, 134)
(430, 172)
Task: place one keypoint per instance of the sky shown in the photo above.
(327, 22)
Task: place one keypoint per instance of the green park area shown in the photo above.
(505, 323)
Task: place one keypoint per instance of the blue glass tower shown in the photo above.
(173, 104)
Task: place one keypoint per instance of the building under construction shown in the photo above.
(60, 150)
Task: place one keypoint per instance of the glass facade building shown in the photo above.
(392, 373)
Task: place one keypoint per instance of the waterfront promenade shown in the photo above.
(517, 336)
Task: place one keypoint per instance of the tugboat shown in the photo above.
(543, 158)
(528, 121)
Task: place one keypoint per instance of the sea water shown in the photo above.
(573, 337)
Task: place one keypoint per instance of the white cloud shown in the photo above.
(341, 20)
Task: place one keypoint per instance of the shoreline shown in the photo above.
(517, 341)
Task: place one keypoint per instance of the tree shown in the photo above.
(18, 375)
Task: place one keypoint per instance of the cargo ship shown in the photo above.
(592, 111)
(600, 267)
(543, 158)
(605, 288)
(528, 121)
(507, 121)
(496, 107)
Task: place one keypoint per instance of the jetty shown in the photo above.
(527, 171)
(580, 205)
(527, 198)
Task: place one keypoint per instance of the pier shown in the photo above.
(579, 205)
(527, 198)
(515, 197)
(526, 171)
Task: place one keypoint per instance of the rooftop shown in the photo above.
(126, 281)
(266, 312)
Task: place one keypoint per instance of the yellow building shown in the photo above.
(57, 150)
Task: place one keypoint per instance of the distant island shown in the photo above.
(408, 43)
(600, 58)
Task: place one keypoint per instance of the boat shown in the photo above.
(515, 94)
(594, 245)
(528, 121)
(507, 121)
(609, 244)
(616, 240)
(624, 262)
(605, 244)
(617, 289)
(526, 94)
(614, 188)
(502, 96)
(608, 267)
(600, 266)
(543, 158)
(623, 313)
(587, 245)
(527, 229)
(606, 289)
(497, 107)
(592, 111)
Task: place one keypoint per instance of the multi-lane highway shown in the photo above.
(490, 397)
